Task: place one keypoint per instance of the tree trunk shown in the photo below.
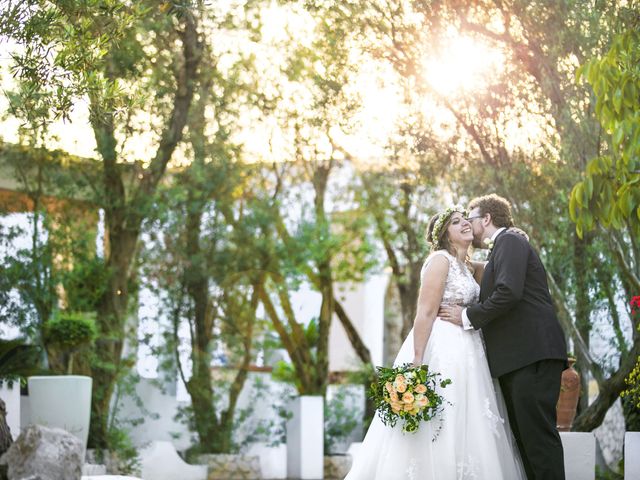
(196, 280)
(610, 391)
(582, 315)
(123, 221)
(326, 315)
(408, 289)
(111, 318)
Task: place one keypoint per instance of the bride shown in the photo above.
(470, 438)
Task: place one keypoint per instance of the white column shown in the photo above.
(305, 439)
(631, 455)
(579, 455)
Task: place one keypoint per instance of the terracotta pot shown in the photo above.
(569, 396)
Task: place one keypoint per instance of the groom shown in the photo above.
(525, 345)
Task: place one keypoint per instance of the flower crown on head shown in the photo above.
(442, 219)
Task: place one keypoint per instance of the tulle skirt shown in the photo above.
(469, 439)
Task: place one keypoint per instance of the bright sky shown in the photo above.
(463, 66)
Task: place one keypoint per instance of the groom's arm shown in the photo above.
(510, 260)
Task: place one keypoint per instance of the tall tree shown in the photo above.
(118, 56)
(311, 217)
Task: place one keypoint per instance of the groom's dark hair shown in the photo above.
(498, 207)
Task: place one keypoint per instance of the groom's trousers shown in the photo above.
(531, 394)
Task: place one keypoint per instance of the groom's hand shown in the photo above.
(451, 313)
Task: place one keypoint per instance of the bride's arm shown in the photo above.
(478, 270)
(429, 298)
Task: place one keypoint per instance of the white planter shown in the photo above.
(62, 401)
(11, 397)
(631, 455)
(579, 455)
(305, 438)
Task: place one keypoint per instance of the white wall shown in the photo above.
(165, 406)
(164, 427)
(364, 303)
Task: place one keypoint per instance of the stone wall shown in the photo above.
(610, 435)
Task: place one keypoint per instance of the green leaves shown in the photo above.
(70, 331)
(63, 46)
(18, 360)
(609, 192)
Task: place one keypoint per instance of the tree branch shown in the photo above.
(609, 392)
(564, 315)
(186, 82)
(626, 269)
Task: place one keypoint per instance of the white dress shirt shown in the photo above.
(466, 324)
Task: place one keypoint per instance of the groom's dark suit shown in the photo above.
(525, 348)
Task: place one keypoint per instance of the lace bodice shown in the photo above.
(460, 287)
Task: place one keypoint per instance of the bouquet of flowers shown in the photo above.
(407, 393)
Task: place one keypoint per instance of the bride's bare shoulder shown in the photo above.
(436, 265)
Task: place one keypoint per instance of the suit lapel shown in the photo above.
(486, 285)
(495, 241)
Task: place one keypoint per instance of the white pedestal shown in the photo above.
(273, 460)
(62, 401)
(579, 455)
(305, 439)
(631, 455)
(11, 397)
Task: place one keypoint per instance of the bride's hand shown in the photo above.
(519, 231)
(451, 313)
(417, 362)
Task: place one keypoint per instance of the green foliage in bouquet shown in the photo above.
(407, 393)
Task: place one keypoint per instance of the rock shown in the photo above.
(231, 467)
(336, 466)
(42, 453)
(111, 462)
(94, 469)
(109, 477)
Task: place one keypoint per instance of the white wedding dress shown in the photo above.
(470, 438)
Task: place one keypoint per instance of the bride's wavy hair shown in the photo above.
(441, 240)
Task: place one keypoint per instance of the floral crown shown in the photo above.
(442, 220)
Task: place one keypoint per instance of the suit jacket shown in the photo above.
(515, 313)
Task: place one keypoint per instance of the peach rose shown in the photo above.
(420, 388)
(396, 407)
(422, 401)
(400, 378)
(389, 387)
(401, 387)
(408, 407)
(394, 396)
(407, 397)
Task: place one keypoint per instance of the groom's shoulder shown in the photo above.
(513, 239)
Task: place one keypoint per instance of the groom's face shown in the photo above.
(477, 225)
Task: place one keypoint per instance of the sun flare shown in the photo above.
(463, 65)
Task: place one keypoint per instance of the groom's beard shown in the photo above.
(477, 242)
